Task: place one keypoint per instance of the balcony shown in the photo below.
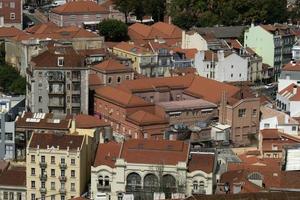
(58, 92)
(43, 165)
(63, 178)
(43, 177)
(103, 188)
(62, 191)
(133, 188)
(53, 104)
(63, 165)
(43, 190)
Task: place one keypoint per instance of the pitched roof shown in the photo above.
(292, 66)
(65, 141)
(201, 161)
(222, 32)
(162, 152)
(9, 32)
(125, 46)
(107, 153)
(88, 121)
(282, 117)
(189, 53)
(95, 80)
(291, 92)
(121, 97)
(15, 176)
(80, 7)
(48, 27)
(111, 65)
(142, 117)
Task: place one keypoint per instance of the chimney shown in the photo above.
(295, 88)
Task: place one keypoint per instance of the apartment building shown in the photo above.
(150, 169)
(57, 81)
(273, 43)
(60, 175)
(13, 183)
(9, 109)
(79, 13)
(34, 40)
(11, 13)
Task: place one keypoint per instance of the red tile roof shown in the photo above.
(111, 65)
(64, 141)
(292, 66)
(95, 80)
(288, 92)
(125, 46)
(107, 154)
(142, 117)
(80, 7)
(88, 121)
(201, 161)
(189, 53)
(123, 98)
(13, 177)
(6, 32)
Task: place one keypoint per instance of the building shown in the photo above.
(222, 32)
(59, 175)
(222, 66)
(11, 13)
(288, 100)
(148, 169)
(79, 13)
(28, 122)
(112, 72)
(143, 59)
(58, 82)
(238, 107)
(274, 119)
(290, 74)
(34, 40)
(296, 51)
(9, 32)
(192, 40)
(13, 183)
(272, 143)
(113, 12)
(10, 107)
(273, 43)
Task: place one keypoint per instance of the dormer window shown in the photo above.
(60, 61)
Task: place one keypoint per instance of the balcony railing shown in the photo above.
(43, 165)
(63, 178)
(133, 188)
(63, 165)
(104, 188)
(43, 190)
(62, 191)
(43, 177)
(199, 191)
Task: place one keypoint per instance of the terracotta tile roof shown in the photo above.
(15, 176)
(121, 97)
(79, 198)
(235, 44)
(182, 71)
(49, 58)
(80, 7)
(210, 55)
(288, 92)
(49, 122)
(48, 27)
(44, 140)
(292, 66)
(125, 46)
(282, 117)
(145, 151)
(88, 121)
(201, 161)
(281, 28)
(6, 32)
(111, 65)
(107, 153)
(189, 53)
(168, 29)
(95, 80)
(142, 117)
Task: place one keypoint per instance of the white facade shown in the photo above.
(296, 51)
(118, 179)
(193, 40)
(231, 68)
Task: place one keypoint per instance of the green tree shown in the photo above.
(113, 30)
(125, 6)
(11, 81)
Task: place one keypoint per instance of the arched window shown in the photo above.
(133, 181)
(168, 181)
(100, 180)
(195, 185)
(201, 185)
(106, 181)
(150, 181)
(255, 176)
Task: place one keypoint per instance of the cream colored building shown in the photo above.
(149, 169)
(56, 166)
(192, 40)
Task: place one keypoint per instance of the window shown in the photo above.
(43, 184)
(19, 196)
(254, 112)
(72, 186)
(72, 173)
(72, 161)
(5, 195)
(119, 79)
(12, 16)
(32, 184)
(195, 185)
(242, 112)
(52, 172)
(52, 197)
(109, 80)
(12, 5)
(43, 159)
(106, 181)
(8, 151)
(62, 198)
(152, 99)
(52, 185)
(32, 196)
(231, 75)
(231, 66)
(294, 128)
(60, 61)
(63, 172)
(63, 160)
(240, 75)
(52, 159)
(40, 99)
(32, 171)
(127, 77)
(266, 125)
(8, 136)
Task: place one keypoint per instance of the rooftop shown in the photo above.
(80, 7)
(13, 177)
(201, 161)
(186, 104)
(88, 121)
(111, 65)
